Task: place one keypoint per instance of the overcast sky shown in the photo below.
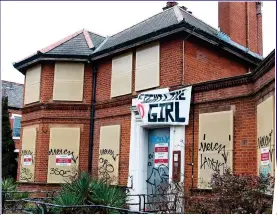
(29, 26)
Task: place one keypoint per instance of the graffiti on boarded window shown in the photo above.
(27, 154)
(108, 162)
(265, 135)
(215, 145)
(63, 154)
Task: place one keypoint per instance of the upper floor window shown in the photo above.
(121, 83)
(32, 85)
(147, 67)
(68, 81)
(16, 126)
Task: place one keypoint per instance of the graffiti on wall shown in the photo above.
(215, 145)
(26, 174)
(63, 154)
(26, 168)
(65, 170)
(215, 163)
(109, 150)
(106, 169)
(27, 154)
(158, 179)
(157, 165)
(265, 141)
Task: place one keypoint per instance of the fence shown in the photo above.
(38, 202)
(158, 203)
(12, 201)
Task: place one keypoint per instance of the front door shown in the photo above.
(158, 160)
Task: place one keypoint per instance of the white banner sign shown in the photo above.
(63, 160)
(170, 108)
(27, 160)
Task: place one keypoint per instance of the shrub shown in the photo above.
(84, 190)
(233, 193)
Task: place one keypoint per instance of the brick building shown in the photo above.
(81, 93)
(14, 92)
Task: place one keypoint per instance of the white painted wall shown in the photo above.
(139, 151)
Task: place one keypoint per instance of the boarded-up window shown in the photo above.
(109, 153)
(121, 75)
(68, 81)
(215, 145)
(266, 137)
(27, 160)
(32, 85)
(63, 159)
(147, 67)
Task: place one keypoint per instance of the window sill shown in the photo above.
(16, 138)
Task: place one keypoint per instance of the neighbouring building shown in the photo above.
(14, 92)
(84, 107)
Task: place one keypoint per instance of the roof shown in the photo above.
(14, 92)
(154, 23)
(170, 17)
(93, 46)
(80, 43)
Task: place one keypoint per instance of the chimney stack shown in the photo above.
(170, 4)
(242, 21)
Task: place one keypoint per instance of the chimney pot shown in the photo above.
(170, 4)
(184, 8)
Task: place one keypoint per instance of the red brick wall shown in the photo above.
(243, 100)
(197, 63)
(62, 113)
(204, 63)
(200, 63)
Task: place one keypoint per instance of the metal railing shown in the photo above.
(12, 201)
(169, 203)
(39, 202)
(46, 208)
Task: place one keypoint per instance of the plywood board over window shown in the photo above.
(32, 85)
(68, 81)
(215, 149)
(147, 67)
(266, 137)
(109, 150)
(121, 83)
(63, 162)
(27, 160)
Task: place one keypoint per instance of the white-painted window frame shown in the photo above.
(13, 117)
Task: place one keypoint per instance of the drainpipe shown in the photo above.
(192, 157)
(183, 56)
(247, 25)
(91, 131)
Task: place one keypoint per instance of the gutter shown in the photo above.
(47, 57)
(92, 120)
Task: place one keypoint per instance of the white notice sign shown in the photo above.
(161, 154)
(27, 160)
(264, 156)
(63, 160)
